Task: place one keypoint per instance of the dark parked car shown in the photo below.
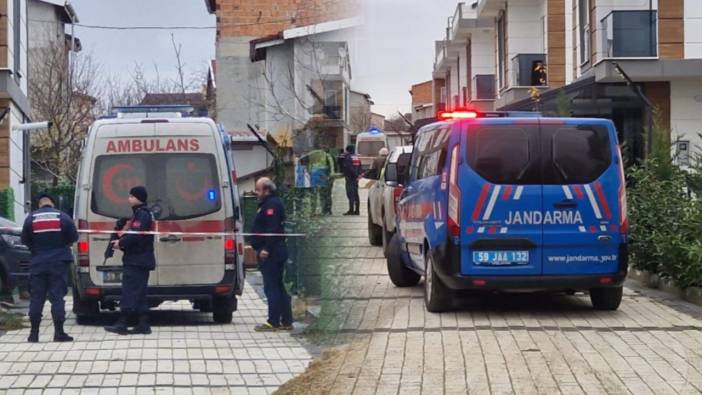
(14, 257)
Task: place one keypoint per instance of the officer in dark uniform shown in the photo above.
(352, 171)
(272, 254)
(49, 234)
(138, 260)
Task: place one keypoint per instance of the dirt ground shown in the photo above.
(319, 376)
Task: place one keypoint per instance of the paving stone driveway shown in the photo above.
(187, 353)
(524, 344)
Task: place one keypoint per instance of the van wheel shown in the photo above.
(222, 309)
(606, 298)
(85, 310)
(400, 275)
(437, 298)
(375, 235)
(387, 236)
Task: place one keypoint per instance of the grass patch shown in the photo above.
(11, 321)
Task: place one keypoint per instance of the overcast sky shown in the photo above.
(394, 50)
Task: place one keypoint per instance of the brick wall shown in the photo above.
(422, 93)
(258, 18)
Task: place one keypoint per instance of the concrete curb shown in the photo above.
(649, 280)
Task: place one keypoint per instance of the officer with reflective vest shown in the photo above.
(138, 260)
(272, 254)
(49, 234)
(352, 171)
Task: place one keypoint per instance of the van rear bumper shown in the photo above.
(450, 275)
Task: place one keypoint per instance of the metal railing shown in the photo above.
(530, 70)
(630, 34)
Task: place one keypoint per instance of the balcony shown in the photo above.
(484, 87)
(529, 70)
(630, 34)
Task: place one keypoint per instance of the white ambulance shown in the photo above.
(186, 166)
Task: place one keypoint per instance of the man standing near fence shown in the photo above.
(272, 254)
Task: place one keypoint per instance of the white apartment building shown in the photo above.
(570, 55)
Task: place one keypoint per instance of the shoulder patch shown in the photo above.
(270, 212)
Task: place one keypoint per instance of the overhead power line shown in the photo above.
(144, 27)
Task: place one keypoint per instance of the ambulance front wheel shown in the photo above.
(606, 298)
(223, 309)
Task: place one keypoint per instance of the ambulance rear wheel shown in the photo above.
(85, 310)
(223, 309)
(606, 298)
(437, 298)
(375, 232)
(400, 275)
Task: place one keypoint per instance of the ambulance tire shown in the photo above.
(387, 236)
(84, 310)
(606, 298)
(400, 275)
(375, 232)
(223, 309)
(437, 298)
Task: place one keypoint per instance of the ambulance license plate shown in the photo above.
(112, 277)
(500, 258)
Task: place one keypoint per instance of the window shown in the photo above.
(370, 147)
(180, 186)
(501, 51)
(578, 154)
(584, 30)
(17, 37)
(505, 154)
(431, 151)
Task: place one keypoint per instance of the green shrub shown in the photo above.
(7, 203)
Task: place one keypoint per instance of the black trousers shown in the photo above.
(135, 282)
(48, 281)
(352, 195)
(279, 303)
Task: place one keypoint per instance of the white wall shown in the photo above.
(16, 160)
(693, 29)
(525, 30)
(23, 40)
(463, 73)
(686, 110)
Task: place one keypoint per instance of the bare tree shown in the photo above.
(63, 90)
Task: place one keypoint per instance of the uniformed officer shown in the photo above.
(138, 260)
(272, 254)
(49, 234)
(352, 171)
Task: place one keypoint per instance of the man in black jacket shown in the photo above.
(138, 260)
(49, 234)
(352, 171)
(272, 254)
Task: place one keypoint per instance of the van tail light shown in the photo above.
(396, 193)
(454, 198)
(623, 209)
(83, 245)
(229, 246)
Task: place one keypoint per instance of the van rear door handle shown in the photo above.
(565, 204)
(170, 239)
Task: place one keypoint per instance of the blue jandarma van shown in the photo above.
(502, 203)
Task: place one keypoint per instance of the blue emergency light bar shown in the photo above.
(182, 110)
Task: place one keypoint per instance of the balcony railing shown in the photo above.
(484, 87)
(630, 34)
(530, 70)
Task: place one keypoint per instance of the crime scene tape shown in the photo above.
(157, 233)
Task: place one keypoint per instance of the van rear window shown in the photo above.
(180, 186)
(370, 148)
(505, 154)
(549, 154)
(578, 154)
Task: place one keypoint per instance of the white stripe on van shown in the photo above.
(481, 229)
(603, 228)
(593, 202)
(582, 229)
(568, 193)
(518, 192)
(491, 203)
(503, 230)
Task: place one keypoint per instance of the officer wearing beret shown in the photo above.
(138, 260)
(49, 234)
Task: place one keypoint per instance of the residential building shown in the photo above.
(377, 121)
(196, 100)
(14, 106)
(47, 24)
(283, 68)
(422, 100)
(571, 56)
(359, 112)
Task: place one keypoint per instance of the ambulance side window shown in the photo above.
(432, 158)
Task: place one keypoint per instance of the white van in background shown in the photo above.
(186, 166)
(367, 146)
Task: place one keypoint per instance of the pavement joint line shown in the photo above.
(513, 328)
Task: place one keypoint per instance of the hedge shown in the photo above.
(7, 203)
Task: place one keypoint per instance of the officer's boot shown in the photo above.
(350, 212)
(143, 327)
(120, 327)
(59, 335)
(34, 332)
(357, 210)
